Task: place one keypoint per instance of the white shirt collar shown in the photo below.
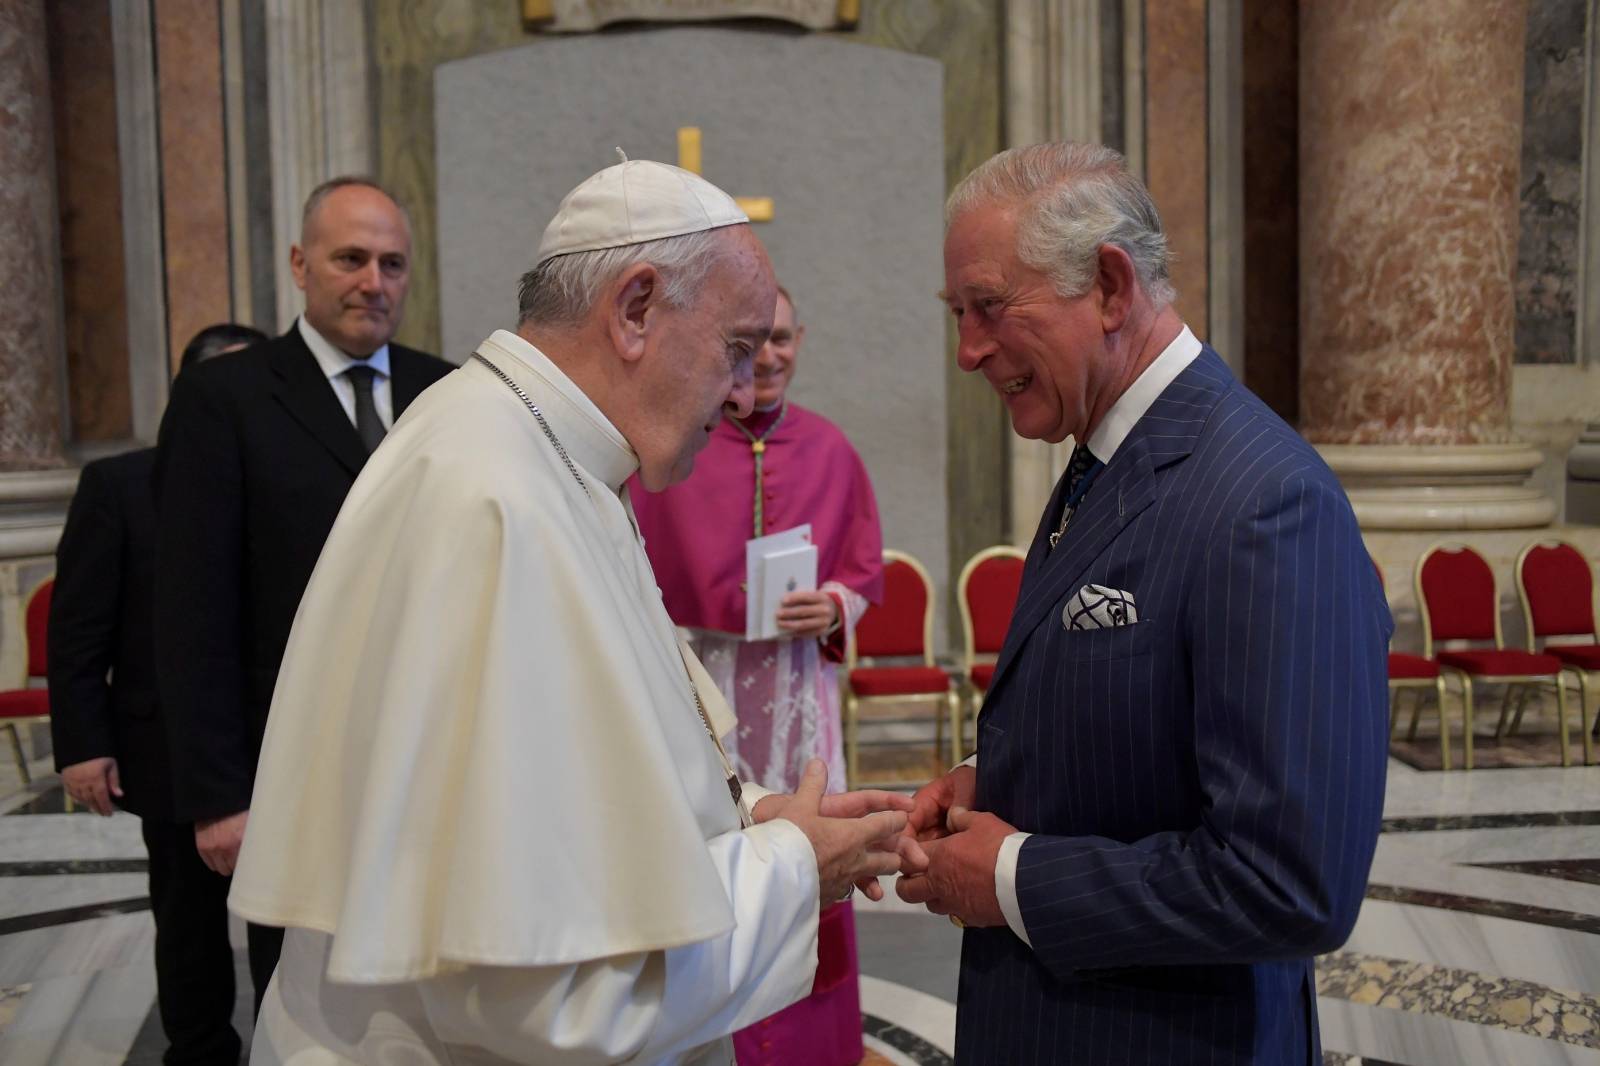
(1132, 404)
(587, 434)
(335, 362)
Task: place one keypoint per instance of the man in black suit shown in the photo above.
(106, 726)
(257, 452)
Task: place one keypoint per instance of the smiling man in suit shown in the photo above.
(1180, 765)
(257, 451)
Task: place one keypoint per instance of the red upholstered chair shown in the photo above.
(1416, 674)
(987, 592)
(1459, 600)
(1556, 587)
(29, 706)
(901, 627)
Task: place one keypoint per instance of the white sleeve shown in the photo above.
(654, 1004)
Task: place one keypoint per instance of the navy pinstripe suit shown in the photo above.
(1205, 785)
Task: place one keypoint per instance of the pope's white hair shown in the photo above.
(1076, 197)
(560, 291)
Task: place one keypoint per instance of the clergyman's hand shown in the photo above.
(93, 782)
(807, 614)
(933, 802)
(218, 841)
(850, 850)
(955, 873)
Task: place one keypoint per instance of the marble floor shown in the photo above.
(1479, 941)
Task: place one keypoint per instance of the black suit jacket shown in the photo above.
(102, 654)
(255, 458)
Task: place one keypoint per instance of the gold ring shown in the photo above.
(957, 922)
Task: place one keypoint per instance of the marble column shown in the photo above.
(1410, 146)
(35, 482)
(30, 260)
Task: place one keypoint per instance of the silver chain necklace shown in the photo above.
(537, 414)
(734, 788)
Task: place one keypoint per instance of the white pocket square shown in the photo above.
(1099, 607)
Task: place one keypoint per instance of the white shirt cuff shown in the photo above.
(1005, 884)
(970, 760)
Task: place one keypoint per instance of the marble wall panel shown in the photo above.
(1175, 144)
(30, 307)
(412, 37)
(89, 199)
(1270, 31)
(1408, 214)
(1552, 182)
(194, 191)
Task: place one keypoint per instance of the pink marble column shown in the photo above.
(1410, 147)
(30, 264)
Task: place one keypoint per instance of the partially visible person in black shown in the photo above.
(110, 745)
(257, 451)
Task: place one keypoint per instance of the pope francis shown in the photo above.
(492, 810)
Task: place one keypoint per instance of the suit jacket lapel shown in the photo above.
(1165, 435)
(308, 397)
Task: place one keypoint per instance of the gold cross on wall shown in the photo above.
(759, 208)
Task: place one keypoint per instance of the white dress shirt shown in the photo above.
(334, 363)
(1103, 443)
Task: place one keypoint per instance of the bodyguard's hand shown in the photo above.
(851, 850)
(92, 783)
(218, 841)
(933, 802)
(807, 614)
(954, 874)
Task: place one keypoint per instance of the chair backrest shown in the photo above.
(1457, 596)
(987, 592)
(35, 623)
(1556, 587)
(903, 623)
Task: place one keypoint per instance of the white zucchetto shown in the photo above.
(636, 201)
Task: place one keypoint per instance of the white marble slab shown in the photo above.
(43, 837)
(81, 1020)
(930, 1017)
(33, 895)
(117, 940)
(1523, 843)
(1400, 1036)
(1413, 792)
(1400, 861)
(1557, 958)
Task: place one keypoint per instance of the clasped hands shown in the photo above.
(944, 851)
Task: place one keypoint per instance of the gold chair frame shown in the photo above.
(972, 698)
(1582, 676)
(1465, 679)
(852, 701)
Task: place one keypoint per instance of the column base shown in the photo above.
(1583, 477)
(1458, 487)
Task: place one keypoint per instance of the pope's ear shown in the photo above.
(635, 298)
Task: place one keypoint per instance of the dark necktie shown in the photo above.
(368, 424)
(1081, 469)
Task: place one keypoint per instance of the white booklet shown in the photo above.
(775, 565)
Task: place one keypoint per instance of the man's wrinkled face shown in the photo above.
(354, 265)
(1042, 352)
(704, 359)
(775, 363)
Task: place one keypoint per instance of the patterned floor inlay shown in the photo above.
(41, 919)
(904, 1041)
(1493, 908)
(1585, 870)
(10, 1002)
(1516, 752)
(1434, 823)
(52, 868)
(1425, 988)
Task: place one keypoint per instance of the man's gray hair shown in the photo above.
(1076, 198)
(561, 290)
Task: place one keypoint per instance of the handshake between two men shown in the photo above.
(944, 851)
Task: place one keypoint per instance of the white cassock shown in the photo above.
(487, 809)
